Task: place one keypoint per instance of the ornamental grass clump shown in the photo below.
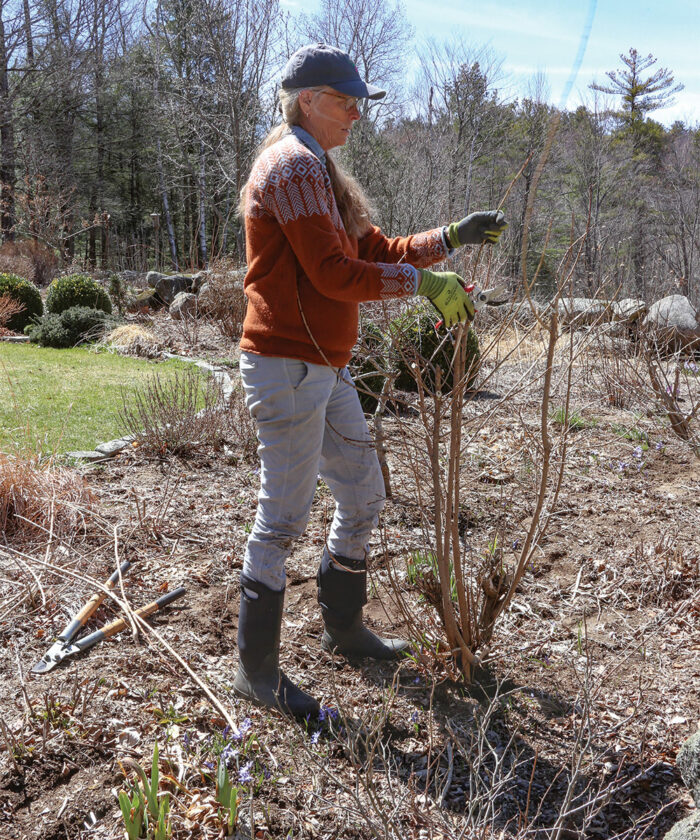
(36, 500)
(77, 290)
(26, 295)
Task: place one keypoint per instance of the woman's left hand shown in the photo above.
(477, 228)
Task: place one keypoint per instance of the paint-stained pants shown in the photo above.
(310, 423)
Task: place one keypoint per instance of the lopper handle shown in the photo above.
(119, 624)
(81, 617)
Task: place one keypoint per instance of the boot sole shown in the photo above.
(276, 706)
(359, 654)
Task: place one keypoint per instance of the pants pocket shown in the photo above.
(297, 372)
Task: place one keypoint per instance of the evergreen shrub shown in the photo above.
(415, 340)
(371, 346)
(76, 290)
(25, 293)
(70, 327)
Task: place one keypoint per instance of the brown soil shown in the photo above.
(596, 661)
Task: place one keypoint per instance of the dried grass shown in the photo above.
(134, 340)
(36, 500)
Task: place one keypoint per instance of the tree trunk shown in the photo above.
(202, 208)
(7, 152)
(166, 208)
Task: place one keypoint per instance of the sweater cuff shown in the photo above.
(418, 279)
(446, 241)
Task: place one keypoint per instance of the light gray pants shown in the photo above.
(310, 423)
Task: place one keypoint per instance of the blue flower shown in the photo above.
(244, 774)
(242, 729)
(316, 735)
(637, 451)
(228, 754)
(414, 717)
(327, 712)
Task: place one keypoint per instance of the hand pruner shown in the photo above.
(483, 297)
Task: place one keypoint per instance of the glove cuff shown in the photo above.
(429, 284)
(453, 236)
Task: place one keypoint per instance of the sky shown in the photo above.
(531, 36)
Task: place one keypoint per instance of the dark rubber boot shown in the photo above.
(259, 678)
(342, 594)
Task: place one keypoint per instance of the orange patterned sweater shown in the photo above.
(296, 241)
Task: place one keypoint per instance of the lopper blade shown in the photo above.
(51, 658)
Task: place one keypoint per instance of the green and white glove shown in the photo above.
(445, 291)
(477, 228)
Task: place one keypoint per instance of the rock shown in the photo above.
(579, 312)
(184, 306)
(146, 298)
(137, 279)
(168, 286)
(628, 309)
(86, 455)
(111, 447)
(15, 339)
(674, 321)
(688, 763)
(687, 829)
(198, 280)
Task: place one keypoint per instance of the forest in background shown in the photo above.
(126, 133)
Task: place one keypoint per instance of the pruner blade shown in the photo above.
(489, 297)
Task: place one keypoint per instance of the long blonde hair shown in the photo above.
(353, 205)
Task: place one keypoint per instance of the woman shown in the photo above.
(313, 256)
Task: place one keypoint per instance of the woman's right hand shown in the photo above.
(445, 290)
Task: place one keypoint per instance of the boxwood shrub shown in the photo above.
(70, 327)
(414, 339)
(76, 290)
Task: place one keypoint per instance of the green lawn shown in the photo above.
(60, 400)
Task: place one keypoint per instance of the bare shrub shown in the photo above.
(667, 381)
(8, 307)
(223, 300)
(36, 500)
(177, 415)
(241, 426)
(29, 259)
(187, 328)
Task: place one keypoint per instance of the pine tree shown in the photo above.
(640, 95)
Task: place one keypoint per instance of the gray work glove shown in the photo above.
(477, 228)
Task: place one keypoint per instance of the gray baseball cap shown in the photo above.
(320, 64)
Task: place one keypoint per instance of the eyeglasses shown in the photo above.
(350, 101)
